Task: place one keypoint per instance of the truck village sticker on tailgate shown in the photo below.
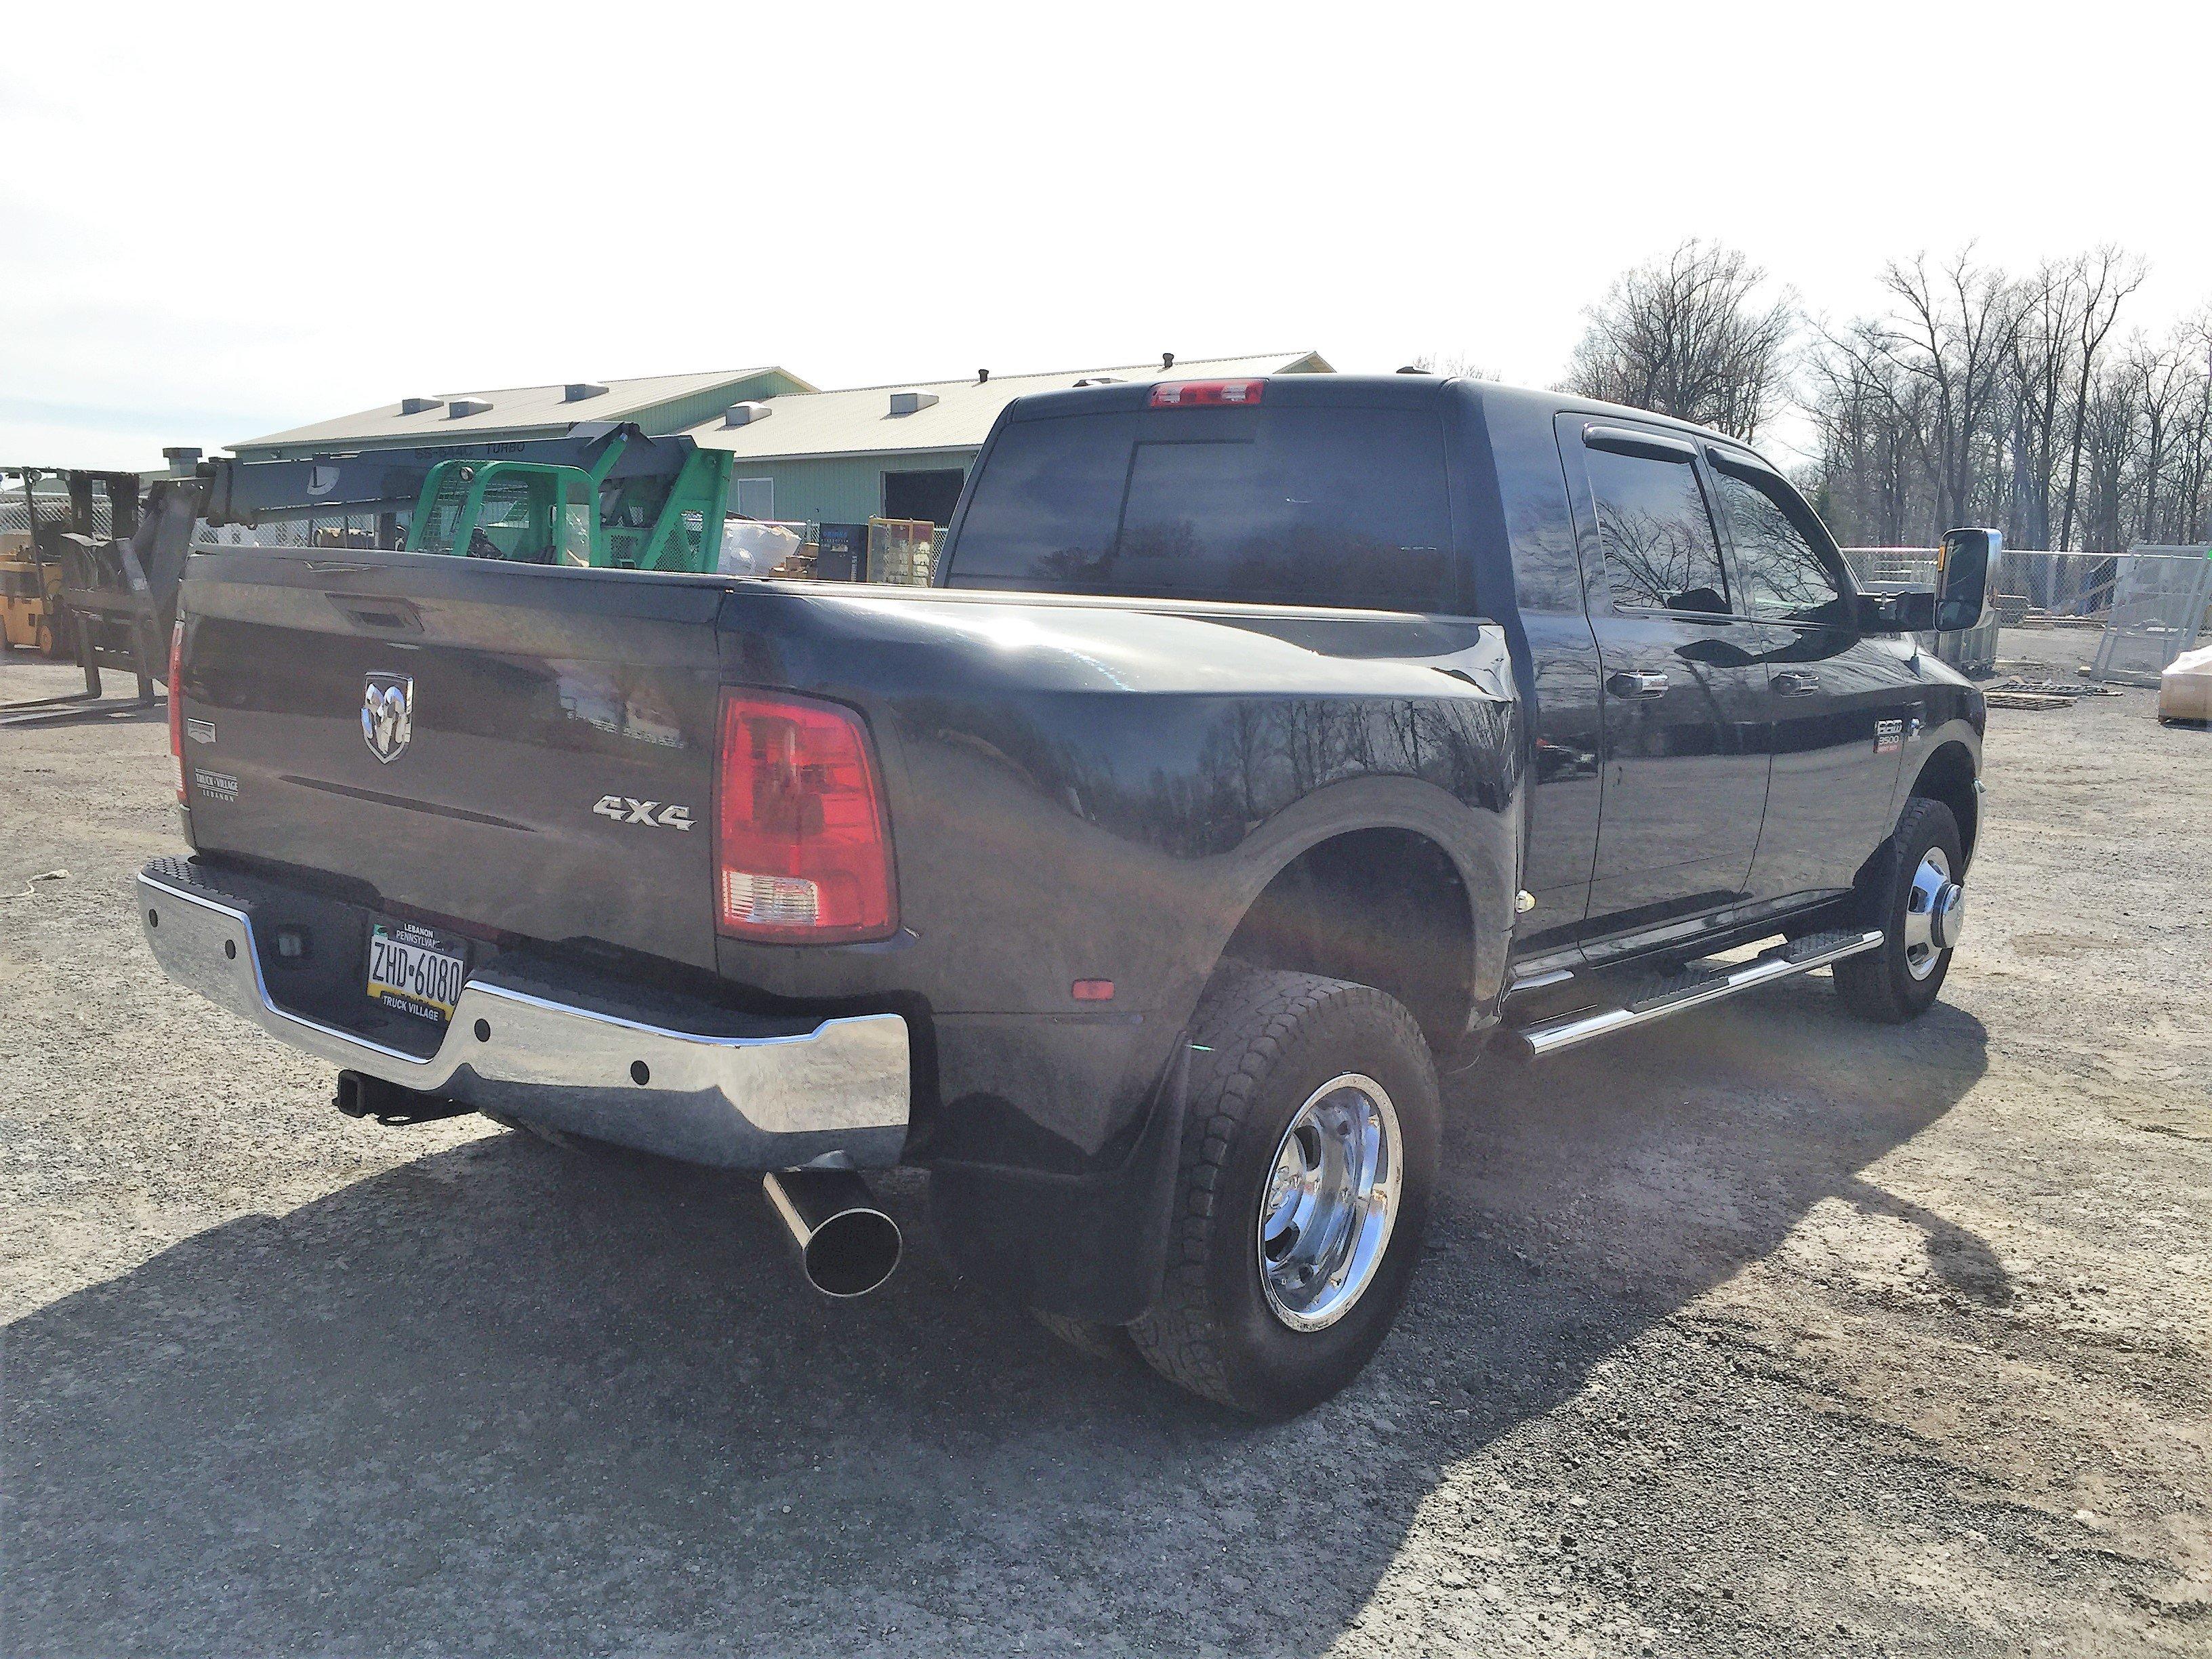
(215, 786)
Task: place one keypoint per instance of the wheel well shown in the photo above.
(1384, 907)
(1947, 776)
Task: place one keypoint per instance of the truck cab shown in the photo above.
(1723, 725)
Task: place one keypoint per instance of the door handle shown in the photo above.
(1637, 682)
(1795, 685)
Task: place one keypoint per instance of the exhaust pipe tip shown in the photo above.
(853, 1255)
(846, 1245)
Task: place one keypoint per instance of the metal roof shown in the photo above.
(860, 421)
(525, 410)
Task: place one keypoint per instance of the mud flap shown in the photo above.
(1087, 1247)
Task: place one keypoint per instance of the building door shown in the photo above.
(929, 495)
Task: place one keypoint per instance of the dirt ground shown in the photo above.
(1769, 1333)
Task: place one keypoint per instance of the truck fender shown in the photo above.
(1483, 844)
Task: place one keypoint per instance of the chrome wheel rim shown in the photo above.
(1329, 1203)
(1935, 911)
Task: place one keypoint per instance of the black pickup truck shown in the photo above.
(1260, 743)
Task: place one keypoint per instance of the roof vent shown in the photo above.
(576, 391)
(183, 462)
(1097, 380)
(417, 405)
(746, 414)
(907, 403)
(461, 406)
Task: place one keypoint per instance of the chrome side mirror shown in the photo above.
(1967, 579)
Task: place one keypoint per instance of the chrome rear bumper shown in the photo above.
(832, 1092)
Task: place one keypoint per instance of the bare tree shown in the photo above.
(1690, 337)
(1455, 364)
(1979, 398)
(2042, 373)
(2108, 277)
(1936, 379)
(1868, 414)
(1954, 333)
(2192, 343)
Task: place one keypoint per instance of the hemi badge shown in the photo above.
(200, 730)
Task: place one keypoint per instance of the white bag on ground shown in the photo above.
(2184, 690)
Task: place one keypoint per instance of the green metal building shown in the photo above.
(797, 453)
(900, 450)
(660, 404)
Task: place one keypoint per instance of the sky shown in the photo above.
(218, 223)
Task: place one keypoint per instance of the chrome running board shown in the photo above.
(1692, 990)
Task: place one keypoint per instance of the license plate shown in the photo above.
(415, 970)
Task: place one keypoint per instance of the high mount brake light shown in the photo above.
(1207, 394)
(177, 701)
(802, 854)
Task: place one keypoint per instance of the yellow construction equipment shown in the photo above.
(30, 598)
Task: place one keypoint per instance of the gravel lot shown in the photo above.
(1769, 1333)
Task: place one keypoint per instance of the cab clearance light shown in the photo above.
(1207, 394)
(801, 851)
(1092, 990)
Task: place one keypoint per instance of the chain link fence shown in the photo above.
(2114, 618)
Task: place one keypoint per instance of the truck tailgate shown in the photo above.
(517, 750)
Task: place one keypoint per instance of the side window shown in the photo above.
(1047, 505)
(1783, 572)
(1660, 552)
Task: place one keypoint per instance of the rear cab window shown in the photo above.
(1294, 502)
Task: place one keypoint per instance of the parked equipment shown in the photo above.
(603, 495)
(30, 598)
(77, 589)
(584, 509)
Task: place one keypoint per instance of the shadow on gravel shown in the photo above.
(514, 1400)
(113, 709)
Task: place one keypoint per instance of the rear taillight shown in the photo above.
(177, 701)
(1207, 394)
(801, 849)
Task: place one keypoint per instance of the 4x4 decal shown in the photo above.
(652, 813)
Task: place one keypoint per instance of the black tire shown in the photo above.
(1881, 985)
(1263, 1044)
(1110, 1343)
